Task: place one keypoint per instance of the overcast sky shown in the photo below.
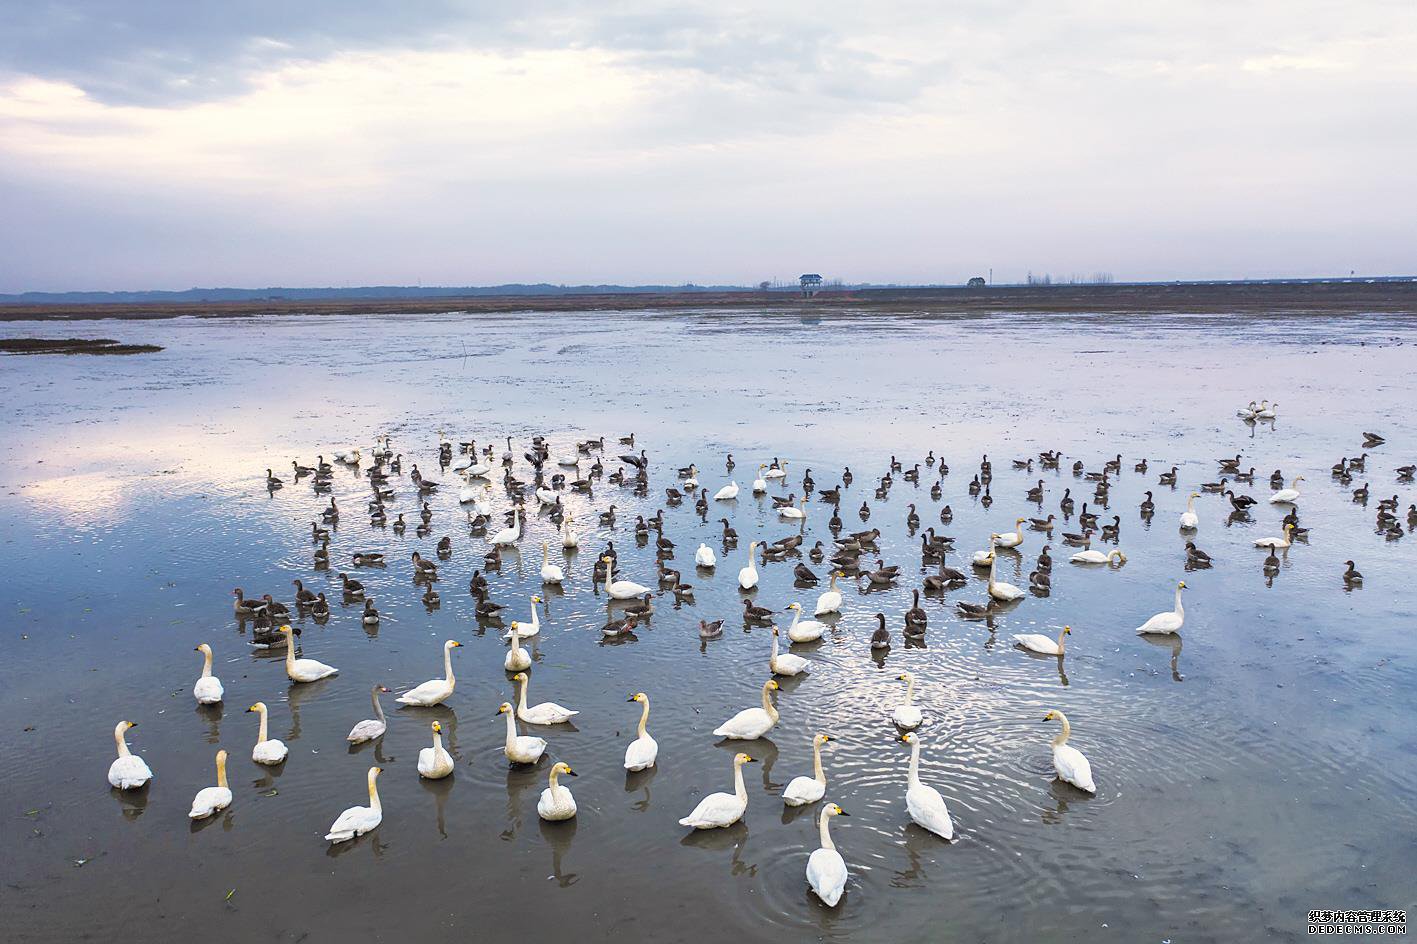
(177, 143)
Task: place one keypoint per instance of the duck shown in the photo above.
(556, 802)
(358, 820)
(643, 750)
(748, 576)
(830, 600)
(320, 609)
(435, 763)
(1189, 519)
(1351, 577)
(710, 630)
(721, 810)
(881, 638)
(1069, 762)
(1167, 623)
(907, 715)
(370, 728)
(520, 748)
(752, 613)
(621, 589)
(1195, 557)
(438, 690)
(545, 713)
(1090, 556)
(208, 690)
(303, 670)
(752, 723)
(786, 663)
(1287, 496)
(1003, 592)
(802, 791)
(268, 750)
(1037, 642)
(924, 802)
(1282, 543)
(129, 771)
(351, 588)
(803, 631)
(212, 800)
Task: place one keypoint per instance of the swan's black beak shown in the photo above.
(841, 812)
(572, 773)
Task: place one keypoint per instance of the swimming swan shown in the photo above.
(643, 750)
(830, 600)
(1287, 496)
(208, 690)
(547, 712)
(803, 790)
(358, 820)
(785, 663)
(435, 763)
(906, 714)
(303, 670)
(752, 723)
(720, 810)
(434, 691)
(556, 802)
(803, 631)
(1069, 762)
(370, 728)
(268, 750)
(748, 576)
(924, 803)
(1168, 622)
(520, 749)
(826, 869)
(128, 772)
(210, 800)
(1037, 642)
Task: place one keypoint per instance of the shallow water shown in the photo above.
(1261, 767)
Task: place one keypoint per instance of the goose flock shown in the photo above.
(562, 488)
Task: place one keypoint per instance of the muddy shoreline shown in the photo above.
(1248, 298)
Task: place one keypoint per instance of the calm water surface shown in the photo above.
(1263, 765)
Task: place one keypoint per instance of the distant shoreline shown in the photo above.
(1334, 298)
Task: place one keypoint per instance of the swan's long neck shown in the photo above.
(206, 663)
(773, 660)
(448, 665)
(1179, 610)
(289, 651)
(437, 742)
(826, 836)
(555, 778)
(374, 791)
(511, 731)
(752, 546)
(767, 700)
(909, 689)
(914, 762)
(534, 621)
(521, 699)
(378, 708)
(740, 791)
(818, 774)
(545, 554)
(221, 771)
(832, 586)
(1061, 637)
(796, 615)
(261, 736)
(993, 560)
(121, 741)
(1064, 734)
(516, 636)
(1191, 503)
(644, 718)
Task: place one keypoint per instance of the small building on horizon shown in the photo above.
(811, 283)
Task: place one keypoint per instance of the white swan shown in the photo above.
(508, 536)
(556, 802)
(727, 493)
(924, 803)
(370, 728)
(830, 600)
(435, 763)
(803, 790)
(760, 484)
(358, 820)
(479, 469)
(520, 749)
(518, 659)
(550, 573)
(268, 750)
(785, 663)
(720, 810)
(1287, 496)
(210, 800)
(621, 589)
(748, 576)
(1069, 762)
(751, 723)
(547, 712)
(303, 670)
(434, 691)
(778, 473)
(826, 869)
(547, 496)
(1267, 413)
(907, 715)
(128, 772)
(208, 690)
(794, 512)
(1189, 519)
(1091, 556)
(569, 538)
(1007, 540)
(1037, 642)
(804, 631)
(527, 630)
(705, 557)
(1168, 622)
(1003, 592)
(1281, 543)
(643, 750)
